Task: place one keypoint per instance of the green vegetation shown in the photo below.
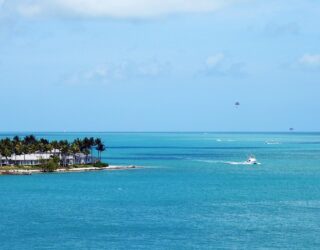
(100, 164)
(50, 165)
(10, 147)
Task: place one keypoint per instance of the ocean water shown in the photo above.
(194, 192)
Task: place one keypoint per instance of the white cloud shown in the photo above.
(277, 29)
(221, 65)
(310, 60)
(114, 8)
(125, 70)
(99, 71)
(29, 10)
(215, 60)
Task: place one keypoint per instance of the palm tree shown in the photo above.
(1, 151)
(100, 148)
(48, 148)
(17, 149)
(65, 149)
(42, 145)
(6, 148)
(16, 146)
(96, 143)
(30, 139)
(74, 149)
(16, 139)
(91, 144)
(55, 146)
(24, 151)
(87, 145)
(7, 152)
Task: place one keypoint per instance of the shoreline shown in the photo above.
(70, 170)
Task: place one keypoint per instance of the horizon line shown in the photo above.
(187, 131)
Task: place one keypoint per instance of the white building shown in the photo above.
(37, 158)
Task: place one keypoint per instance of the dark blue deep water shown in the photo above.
(194, 193)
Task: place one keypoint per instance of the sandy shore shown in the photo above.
(65, 170)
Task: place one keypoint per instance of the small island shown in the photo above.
(24, 156)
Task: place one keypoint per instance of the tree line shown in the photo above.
(30, 144)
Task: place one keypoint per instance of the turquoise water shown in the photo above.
(194, 193)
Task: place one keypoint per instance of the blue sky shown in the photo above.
(106, 65)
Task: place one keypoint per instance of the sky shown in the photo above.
(159, 65)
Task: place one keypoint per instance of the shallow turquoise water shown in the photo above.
(193, 193)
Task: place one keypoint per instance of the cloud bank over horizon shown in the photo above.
(110, 8)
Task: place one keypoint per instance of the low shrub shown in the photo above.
(50, 165)
(100, 164)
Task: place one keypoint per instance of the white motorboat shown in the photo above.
(252, 160)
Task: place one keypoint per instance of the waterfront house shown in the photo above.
(37, 158)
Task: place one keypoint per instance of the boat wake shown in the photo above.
(240, 163)
(224, 140)
(228, 162)
(210, 161)
(273, 142)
